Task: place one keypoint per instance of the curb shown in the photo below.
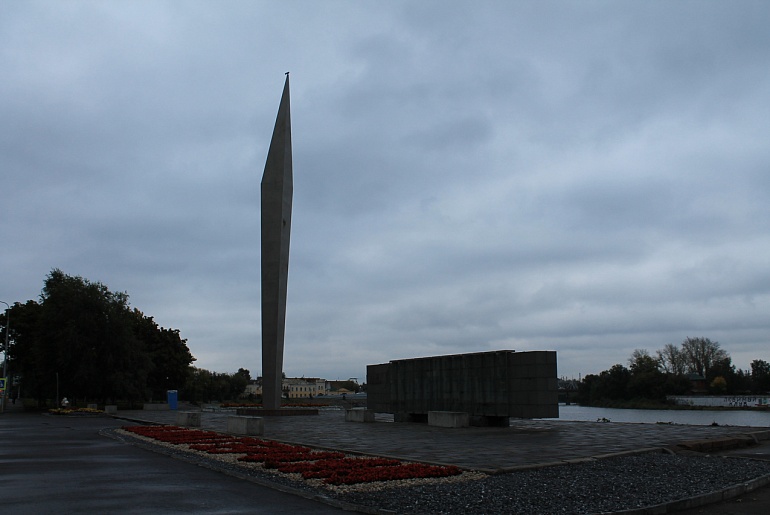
(697, 501)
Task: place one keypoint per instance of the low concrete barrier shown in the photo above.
(111, 408)
(92, 406)
(155, 407)
(359, 415)
(188, 419)
(448, 419)
(280, 412)
(248, 426)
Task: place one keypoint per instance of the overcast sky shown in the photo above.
(584, 177)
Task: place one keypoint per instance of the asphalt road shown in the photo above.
(53, 464)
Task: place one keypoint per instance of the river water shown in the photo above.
(688, 417)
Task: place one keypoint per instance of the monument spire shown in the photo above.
(276, 196)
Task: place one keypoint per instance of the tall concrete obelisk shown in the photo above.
(277, 190)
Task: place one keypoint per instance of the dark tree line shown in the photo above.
(699, 365)
(85, 342)
(205, 386)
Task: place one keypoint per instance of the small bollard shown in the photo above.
(448, 419)
(359, 415)
(188, 419)
(247, 426)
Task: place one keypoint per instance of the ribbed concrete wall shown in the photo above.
(495, 384)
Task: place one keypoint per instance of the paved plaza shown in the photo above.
(54, 464)
(491, 449)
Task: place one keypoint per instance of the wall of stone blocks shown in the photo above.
(377, 389)
(496, 384)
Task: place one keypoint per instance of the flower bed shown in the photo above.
(259, 405)
(331, 467)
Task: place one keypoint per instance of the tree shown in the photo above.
(672, 359)
(725, 369)
(26, 354)
(676, 384)
(83, 341)
(89, 331)
(205, 386)
(170, 358)
(586, 390)
(244, 373)
(718, 385)
(760, 376)
(641, 362)
(613, 383)
(198, 385)
(238, 382)
(701, 354)
(348, 385)
(646, 381)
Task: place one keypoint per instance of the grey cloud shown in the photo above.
(583, 177)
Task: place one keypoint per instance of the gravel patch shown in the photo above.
(599, 486)
(606, 485)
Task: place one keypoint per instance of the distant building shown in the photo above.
(697, 384)
(254, 388)
(304, 387)
(344, 387)
(293, 387)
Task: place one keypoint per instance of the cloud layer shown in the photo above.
(585, 177)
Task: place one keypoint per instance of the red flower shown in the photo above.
(333, 467)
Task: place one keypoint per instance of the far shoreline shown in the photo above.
(653, 405)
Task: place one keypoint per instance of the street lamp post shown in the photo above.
(5, 354)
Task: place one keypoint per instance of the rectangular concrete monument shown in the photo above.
(489, 386)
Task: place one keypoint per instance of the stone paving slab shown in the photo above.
(525, 443)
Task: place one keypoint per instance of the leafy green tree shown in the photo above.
(718, 385)
(83, 341)
(676, 384)
(646, 381)
(89, 332)
(206, 386)
(725, 369)
(609, 385)
(616, 382)
(348, 385)
(760, 376)
(168, 353)
(26, 352)
(238, 383)
(198, 385)
(587, 390)
(641, 362)
(741, 382)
